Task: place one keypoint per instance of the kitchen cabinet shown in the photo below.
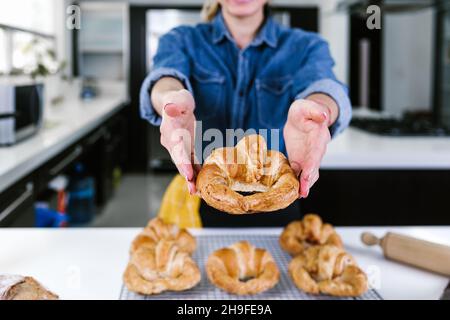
(381, 197)
(102, 42)
(106, 151)
(17, 204)
(102, 149)
(57, 165)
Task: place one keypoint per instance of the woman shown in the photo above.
(243, 70)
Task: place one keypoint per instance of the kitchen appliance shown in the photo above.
(21, 109)
(415, 252)
(411, 124)
(161, 20)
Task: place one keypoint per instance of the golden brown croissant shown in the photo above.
(156, 230)
(164, 267)
(327, 269)
(248, 167)
(299, 235)
(242, 269)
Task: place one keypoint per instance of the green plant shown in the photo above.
(46, 62)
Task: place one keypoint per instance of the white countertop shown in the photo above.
(66, 123)
(88, 263)
(357, 149)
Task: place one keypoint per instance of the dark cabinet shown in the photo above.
(381, 197)
(17, 204)
(106, 151)
(57, 165)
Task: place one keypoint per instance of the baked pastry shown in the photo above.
(299, 235)
(164, 267)
(327, 269)
(14, 287)
(247, 168)
(156, 230)
(242, 269)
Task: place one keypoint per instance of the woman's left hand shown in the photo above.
(306, 135)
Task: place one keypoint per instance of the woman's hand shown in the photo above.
(178, 132)
(306, 136)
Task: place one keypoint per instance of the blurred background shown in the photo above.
(74, 151)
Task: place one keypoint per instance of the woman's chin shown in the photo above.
(242, 2)
(243, 8)
(243, 12)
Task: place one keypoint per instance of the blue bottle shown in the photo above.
(81, 204)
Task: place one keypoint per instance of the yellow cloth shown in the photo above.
(179, 207)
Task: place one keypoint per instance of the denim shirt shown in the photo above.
(250, 88)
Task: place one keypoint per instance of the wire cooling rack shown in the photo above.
(284, 290)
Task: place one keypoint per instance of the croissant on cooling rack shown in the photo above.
(161, 268)
(242, 269)
(327, 269)
(160, 260)
(299, 235)
(156, 230)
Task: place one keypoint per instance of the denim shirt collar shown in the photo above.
(267, 34)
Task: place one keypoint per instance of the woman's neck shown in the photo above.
(243, 30)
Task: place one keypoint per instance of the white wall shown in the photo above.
(408, 61)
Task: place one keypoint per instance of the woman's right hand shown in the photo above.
(178, 132)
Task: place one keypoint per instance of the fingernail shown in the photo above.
(305, 193)
(164, 108)
(188, 186)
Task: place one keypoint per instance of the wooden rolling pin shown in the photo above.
(419, 253)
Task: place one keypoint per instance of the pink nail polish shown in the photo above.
(189, 188)
(164, 108)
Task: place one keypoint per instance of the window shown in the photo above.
(35, 15)
(3, 56)
(27, 35)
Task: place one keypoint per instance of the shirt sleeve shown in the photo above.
(171, 60)
(317, 76)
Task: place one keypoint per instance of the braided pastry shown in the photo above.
(156, 230)
(242, 269)
(165, 267)
(299, 235)
(327, 269)
(249, 167)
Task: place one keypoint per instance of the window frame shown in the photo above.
(9, 50)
